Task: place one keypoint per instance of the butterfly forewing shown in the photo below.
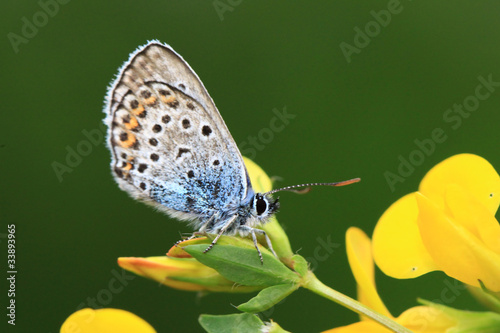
(169, 143)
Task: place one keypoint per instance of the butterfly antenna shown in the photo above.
(307, 187)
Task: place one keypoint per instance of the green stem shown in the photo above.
(312, 283)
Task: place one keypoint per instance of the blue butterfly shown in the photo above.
(170, 148)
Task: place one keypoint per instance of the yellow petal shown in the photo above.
(360, 258)
(426, 319)
(104, 321)
(397, 246)
(185, 274)
(470, 213)
(360, 327)
(455, 250)
(260, 181)
(471, 172)
(419, 319)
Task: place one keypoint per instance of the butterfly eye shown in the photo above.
(261, 205)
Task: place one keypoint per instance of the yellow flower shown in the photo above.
(430, 318)
(448, 225)
(182, 273)
(105, 321)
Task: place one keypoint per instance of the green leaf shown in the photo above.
(242, 265)
(233, 323)
(268, 298)
(300, 265)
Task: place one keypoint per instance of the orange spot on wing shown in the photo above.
(132, 124)
(168, 99)
(129, 142)
(150, 101)
(128, 167)
(138, 110)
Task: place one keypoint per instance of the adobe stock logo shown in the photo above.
(74, 156)
(453, 119)
(30, 26)
(222, 6)
(277, 123)
(372, 29)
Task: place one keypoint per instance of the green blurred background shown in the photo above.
(352, 119)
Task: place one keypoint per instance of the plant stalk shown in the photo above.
(312, 283)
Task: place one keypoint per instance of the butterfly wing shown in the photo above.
(169, 144)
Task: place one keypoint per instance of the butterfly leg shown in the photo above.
(200, 232)
(253, 232)
(223, 230)
(268, 240)
(205, 225)
(185, 239)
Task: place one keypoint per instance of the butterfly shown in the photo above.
(171, 149)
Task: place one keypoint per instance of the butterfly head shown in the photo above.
(263, 205)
